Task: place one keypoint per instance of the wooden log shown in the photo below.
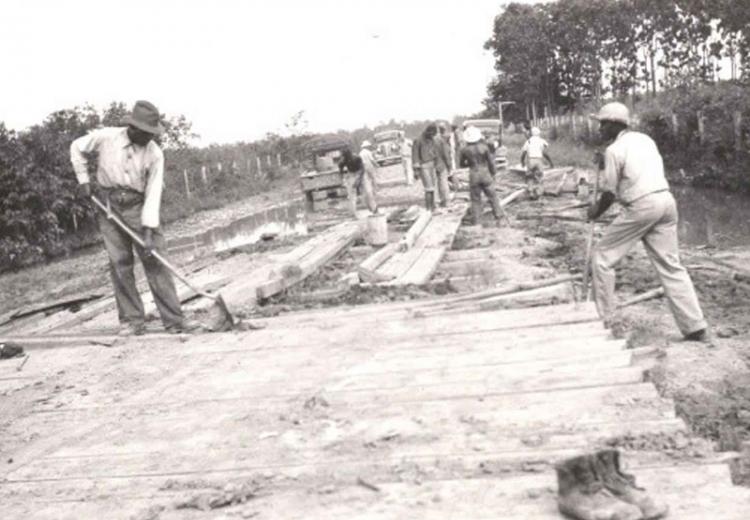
(558, 216)
(560, 184)
(553, 294)
(648, 295)
(513, 196)
(411, 236)
(523, 286)
(367, 269)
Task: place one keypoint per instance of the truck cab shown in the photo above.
(322, 178)
(389, 147)
(492, 131)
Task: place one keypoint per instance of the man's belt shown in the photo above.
(122, 197)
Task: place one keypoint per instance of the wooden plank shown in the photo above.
(334, 242)
(83, 340)
(692, 492)
(437, 235)
(398, 263)
(422, 270)
(445, 352)
(416, 229)
(367, 269)
(28, 310)
(550, 295)
(512, 197)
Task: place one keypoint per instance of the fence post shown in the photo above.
(75, 223)
(589, 129)
(260, 169)
(700, 127)
(203, 175)
(738, 131)
(268, 160)
(675, 126)
(187, 183)
(278, 159)
(573, 128)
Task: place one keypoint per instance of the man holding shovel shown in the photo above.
(633, 174)
(130, 179)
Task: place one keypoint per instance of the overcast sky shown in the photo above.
(238, 69)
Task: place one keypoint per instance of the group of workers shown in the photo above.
(632, 172)
(130, 177)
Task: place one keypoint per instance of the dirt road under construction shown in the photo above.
(440, 376)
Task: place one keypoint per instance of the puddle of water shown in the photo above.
(712, 217)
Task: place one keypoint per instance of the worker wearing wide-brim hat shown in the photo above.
(476, 156)
(633, 174)
(130, 178)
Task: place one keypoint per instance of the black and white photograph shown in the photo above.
(375, 260)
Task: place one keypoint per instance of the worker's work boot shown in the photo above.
(132, 329)
(623, 485)
(429, 200)
(582, 495)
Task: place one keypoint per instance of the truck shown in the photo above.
(492, 130)
(388, 147)
(389, 154)
(323, 180)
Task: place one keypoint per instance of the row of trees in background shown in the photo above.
(40, 216)
(559, 55)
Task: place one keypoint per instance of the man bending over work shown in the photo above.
(634, 175)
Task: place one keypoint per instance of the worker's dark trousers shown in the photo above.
(121, 262)
(481, 181)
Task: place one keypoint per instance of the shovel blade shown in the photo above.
(221, 319)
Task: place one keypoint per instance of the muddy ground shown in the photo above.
(86, 270)
(710, 385)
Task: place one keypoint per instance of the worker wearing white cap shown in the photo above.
(533, 154)
(476, 156)
(633, 174)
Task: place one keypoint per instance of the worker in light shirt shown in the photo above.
(130, 179)
(633, 174)
(368, 178)
(533, 155)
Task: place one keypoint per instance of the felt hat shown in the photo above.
(145, 116)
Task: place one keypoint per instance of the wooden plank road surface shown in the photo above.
(417, 263)
(375, 413)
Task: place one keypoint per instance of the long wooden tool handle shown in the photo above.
(138, 240)
(590, 243)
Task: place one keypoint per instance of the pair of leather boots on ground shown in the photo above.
(594, 487)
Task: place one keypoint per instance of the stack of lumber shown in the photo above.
(422, 248)
(282, 271)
